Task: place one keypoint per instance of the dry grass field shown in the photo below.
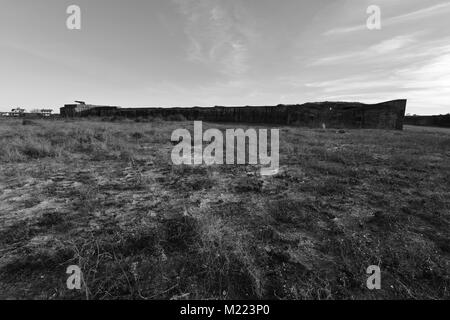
(105, 196)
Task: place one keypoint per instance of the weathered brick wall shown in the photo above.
(387, 115)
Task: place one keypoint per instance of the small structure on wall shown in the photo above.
(80, 109)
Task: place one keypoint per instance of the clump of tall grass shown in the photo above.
(92, 140)
(25, 148)
(230, 271)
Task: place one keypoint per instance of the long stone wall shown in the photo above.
(386, 115)
(430, 121)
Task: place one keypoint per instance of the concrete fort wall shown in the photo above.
(430, 121)
(386, 115)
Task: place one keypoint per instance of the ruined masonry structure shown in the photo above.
(351, 115)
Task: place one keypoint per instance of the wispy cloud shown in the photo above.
(218, 38)
(423, 80)
(422, 13)
(375, 51)
(431, 11)
(343, 30)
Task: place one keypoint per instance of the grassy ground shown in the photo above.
(104, 196)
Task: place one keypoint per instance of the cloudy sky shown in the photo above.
(224, 52)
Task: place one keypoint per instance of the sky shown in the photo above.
(224, 52)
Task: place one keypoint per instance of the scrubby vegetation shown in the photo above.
(104, 195)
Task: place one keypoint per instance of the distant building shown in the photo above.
(39, 113)
(35, 113)
(17, 112)
(46, 112)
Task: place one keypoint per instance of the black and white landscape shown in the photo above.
(224, 150)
